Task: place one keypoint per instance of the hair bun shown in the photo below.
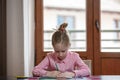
(63, 26)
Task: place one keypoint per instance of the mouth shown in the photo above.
(60, 58)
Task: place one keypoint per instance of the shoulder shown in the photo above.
(74, 54)
(50, 55)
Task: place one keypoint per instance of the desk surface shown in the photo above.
(103, 77)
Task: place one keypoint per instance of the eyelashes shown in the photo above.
(60, 51)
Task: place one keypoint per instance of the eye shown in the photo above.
(63, 51)
(57, 51)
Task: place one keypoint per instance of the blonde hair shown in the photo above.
(61, 35)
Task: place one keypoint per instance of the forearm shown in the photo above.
(39, 72)
(67, 74)
(52, 73)
(82, 72)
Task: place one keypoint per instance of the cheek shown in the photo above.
(63, 55)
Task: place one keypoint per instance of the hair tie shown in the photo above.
(63, 26)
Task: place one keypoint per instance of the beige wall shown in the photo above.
(15, 46)
(16, 36)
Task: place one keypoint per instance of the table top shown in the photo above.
(101, 77)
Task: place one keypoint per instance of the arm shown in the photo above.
(66, 74)
(82, 68)
(52, 73)
(40, 69)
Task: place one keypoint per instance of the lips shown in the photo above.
(60, 58)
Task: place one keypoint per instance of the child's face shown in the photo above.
(61, 50)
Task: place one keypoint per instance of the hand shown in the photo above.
(35, 73)
(52, 73)
(66, 74)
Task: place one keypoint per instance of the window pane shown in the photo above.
(71, 11)
(110, 25)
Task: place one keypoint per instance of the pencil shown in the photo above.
(23, 77)
(56, 67)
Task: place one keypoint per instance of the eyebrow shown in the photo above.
(61, 51)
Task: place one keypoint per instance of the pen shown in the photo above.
(23, 77)
(56, 67)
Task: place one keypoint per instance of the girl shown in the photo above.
(61, 62)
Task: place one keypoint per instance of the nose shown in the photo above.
(60, 54)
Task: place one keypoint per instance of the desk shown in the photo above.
(102, 77)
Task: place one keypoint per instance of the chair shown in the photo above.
(89, 63)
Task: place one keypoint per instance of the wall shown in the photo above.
(15, 46)
(17, 54)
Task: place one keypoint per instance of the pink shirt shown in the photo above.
(68, 64)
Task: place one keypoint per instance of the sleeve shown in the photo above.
(40, 69)
(82, 69)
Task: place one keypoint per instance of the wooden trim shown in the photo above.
(89, 18)
(39, 53)
(38, 30)
(3, 38)
(100, 60)
(89, 28)
(96, 40)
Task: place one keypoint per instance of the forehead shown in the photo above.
(60, 46)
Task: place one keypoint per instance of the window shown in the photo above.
(69, 19)
(58, 11)
(96, 42)
(110, 26)
(117, 27)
